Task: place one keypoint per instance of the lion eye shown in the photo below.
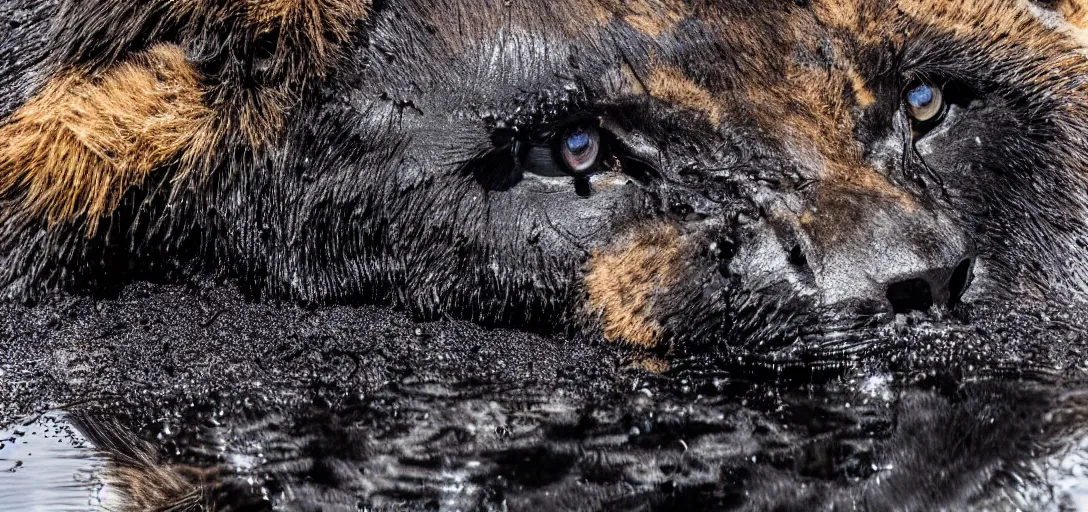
(580, 149)
(924, 102)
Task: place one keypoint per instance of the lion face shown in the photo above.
(726, 172)
(663, 172)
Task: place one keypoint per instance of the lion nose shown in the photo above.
(938, 285)
(886, 257)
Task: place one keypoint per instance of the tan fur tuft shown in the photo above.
(323, 23)
(309, 35)
(74, 149)
(622, 283)
(1075, 12)
(655, 17)
(862, 94)
(669, 84)
(650, 364)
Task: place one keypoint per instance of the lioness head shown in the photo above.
(664, 172)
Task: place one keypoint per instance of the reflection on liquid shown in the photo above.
(358, 408)
(991, 445)
(46, 464)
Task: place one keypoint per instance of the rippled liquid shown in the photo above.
(47, 465)
(470, 448)
(242, 406)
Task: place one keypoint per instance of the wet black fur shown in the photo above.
(395, 183)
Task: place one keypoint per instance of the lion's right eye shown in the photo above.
(580, 150)
(924, 103)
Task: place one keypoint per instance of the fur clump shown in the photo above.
(297, 42)
(120, 110)
(144, 114)
(74, 149)
(670, 85)
(622, 283)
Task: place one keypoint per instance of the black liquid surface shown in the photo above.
(193, 398)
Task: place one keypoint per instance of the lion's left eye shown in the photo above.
(580, 149)
(924, 102)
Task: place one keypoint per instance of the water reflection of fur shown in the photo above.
(137, 478)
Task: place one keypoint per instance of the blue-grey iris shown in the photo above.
(578, 141)
(920, 96)
(925, 102)
(580, 149)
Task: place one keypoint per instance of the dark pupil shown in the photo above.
(920, 96)
(578, 142)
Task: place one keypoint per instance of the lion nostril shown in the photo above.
(797, 256)
(910, 295)
(582, 187)
(937, 286)
(724, 249)
(960, 281)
